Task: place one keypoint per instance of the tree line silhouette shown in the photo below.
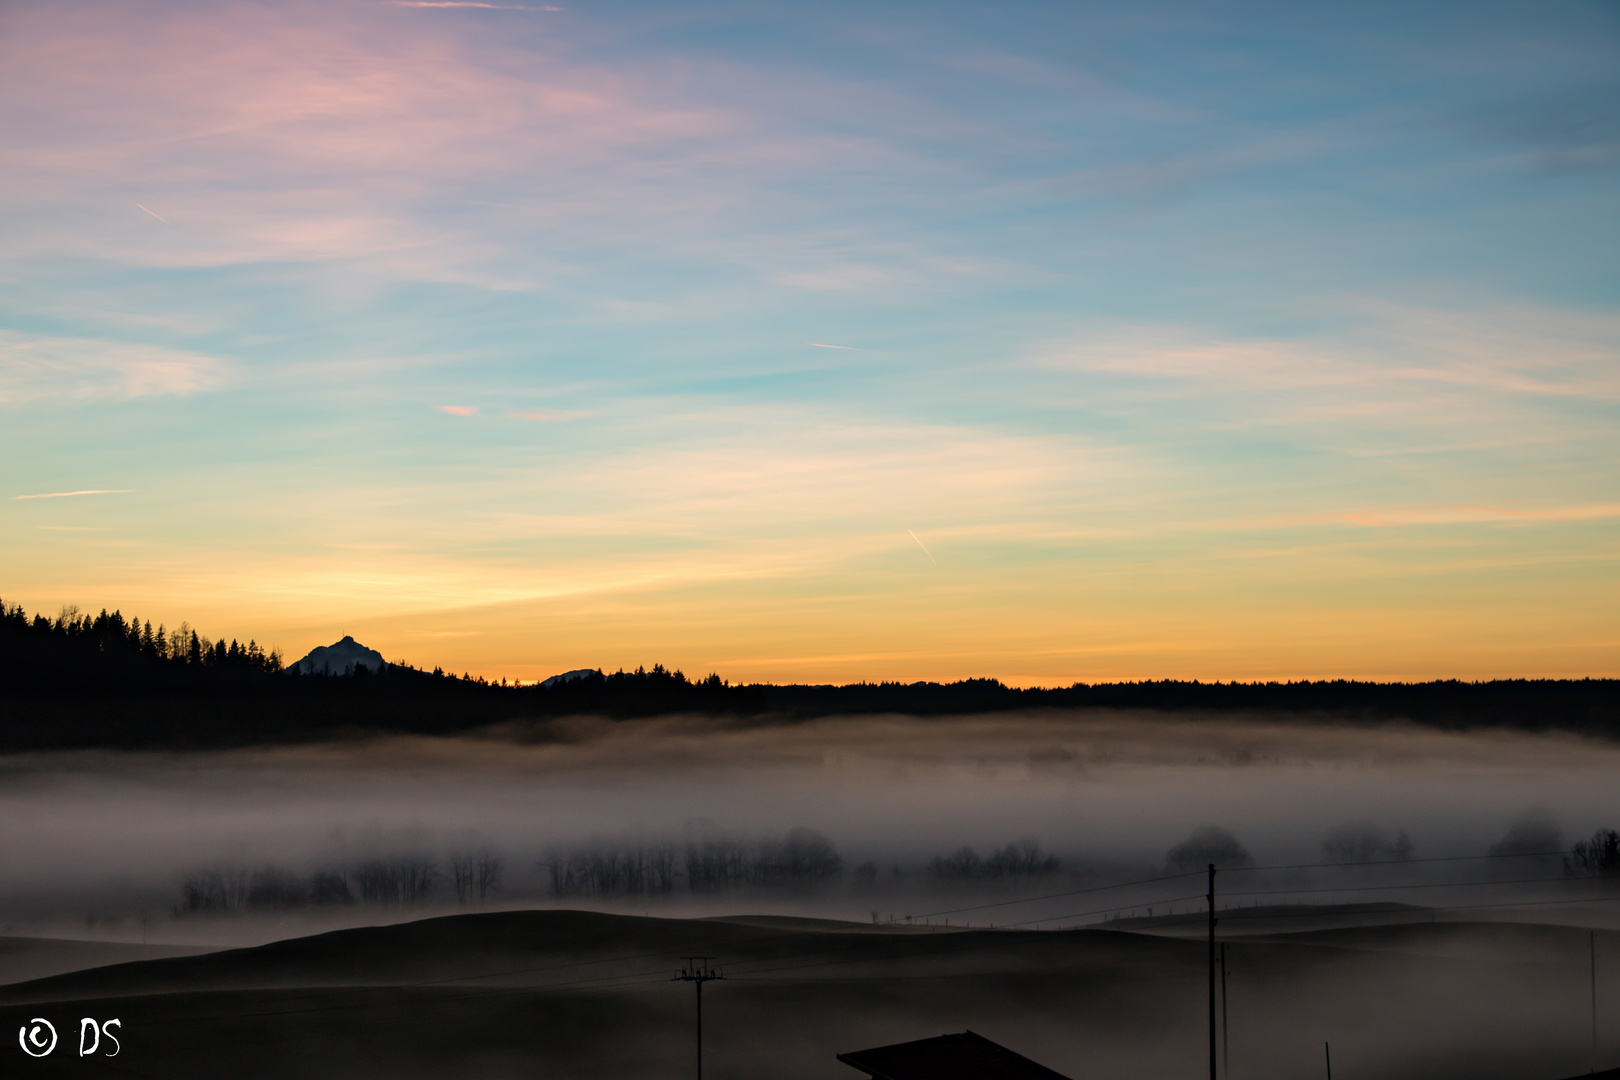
(412, 877)
(708, 864)
(80, 649)
(409, 878)
(1022, 859)
(106, 680)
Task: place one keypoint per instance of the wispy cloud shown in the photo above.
(820, 345)
(1495, 348)
(87, 368)
(158, 216)
(345, 127)
(845, 278)
(458, 410)
(468, 4)
(567, 414)
(71, 494)
(1448, 515)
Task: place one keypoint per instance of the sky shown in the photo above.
(821, 342)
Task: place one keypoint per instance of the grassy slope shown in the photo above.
(573, 994)
(25, 958)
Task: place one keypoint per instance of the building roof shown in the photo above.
(948, 1057)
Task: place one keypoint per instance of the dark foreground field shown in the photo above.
(575, 994)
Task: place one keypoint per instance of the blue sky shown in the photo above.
(1214, 340)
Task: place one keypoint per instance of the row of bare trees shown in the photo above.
(400, 879)
(1021, 859)
(628, 869)
(709, 864)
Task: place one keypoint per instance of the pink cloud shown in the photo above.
(459, 410)
(346, 120)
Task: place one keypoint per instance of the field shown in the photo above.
(578, 994)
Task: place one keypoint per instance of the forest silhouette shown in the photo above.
(110, 681)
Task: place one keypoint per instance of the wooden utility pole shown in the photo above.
(698, 971)
(1226, 1028)
(1327, 1052)
(1211, 899)
(1591, 941)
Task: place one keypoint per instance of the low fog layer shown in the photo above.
(849, 817)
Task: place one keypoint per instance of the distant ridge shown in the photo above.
(570, 676)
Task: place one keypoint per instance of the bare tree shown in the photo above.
(1597, 857)
(963, 862)
(418, 875)
(405, 879)
(1362, 841)
(222, 890)
(487, 873)
(462, 874)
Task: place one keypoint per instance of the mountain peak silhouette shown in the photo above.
(339, 658)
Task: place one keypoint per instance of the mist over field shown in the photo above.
(856, 817)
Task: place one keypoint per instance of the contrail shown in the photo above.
(924, 546)
(819, 345)
(165, 220)
(69, 494)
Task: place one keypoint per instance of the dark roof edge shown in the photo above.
(855, 1065)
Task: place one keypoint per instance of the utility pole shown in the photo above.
(1327, 1052)
(698, 971)
(1226, 1033)
(1592, 943)
(1211, 898)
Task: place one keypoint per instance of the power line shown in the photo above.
(1252, 913)
(1049, 896)
(1230, 870)
(966, 940)
(1396, 862)
(1387, 888)
(698, 971)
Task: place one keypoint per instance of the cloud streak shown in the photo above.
(35, 368)
(1450, 515)
(72, 494)
(467, 4)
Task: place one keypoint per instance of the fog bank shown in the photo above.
(1091, 798)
